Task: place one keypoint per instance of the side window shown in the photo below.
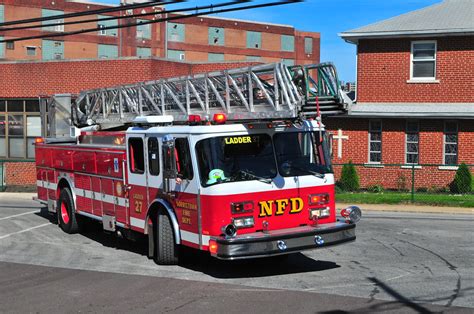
(153, 156)
(183, 159)
(136, 158)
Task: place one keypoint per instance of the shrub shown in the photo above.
(462, 182)
(375, 188)
(422, 189)
(349, 178)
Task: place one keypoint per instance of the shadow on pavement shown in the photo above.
(201, 261)
(261, 267)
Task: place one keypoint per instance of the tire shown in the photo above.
(67, 219)
(166, 248)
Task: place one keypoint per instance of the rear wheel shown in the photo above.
(66, 213)
(166, 248)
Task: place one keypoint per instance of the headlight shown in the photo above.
(243, 222)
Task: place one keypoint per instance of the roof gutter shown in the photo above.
(355, 37)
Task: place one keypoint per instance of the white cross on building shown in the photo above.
(339, 137)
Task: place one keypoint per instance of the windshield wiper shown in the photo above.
(253, 176)
(314, 173)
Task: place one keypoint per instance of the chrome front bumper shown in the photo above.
(260, 244)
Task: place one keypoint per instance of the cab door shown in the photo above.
(185, 193)
(137, 180)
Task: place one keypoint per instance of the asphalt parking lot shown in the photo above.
(400, 262)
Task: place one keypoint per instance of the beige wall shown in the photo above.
(271, 42)
(80, 50)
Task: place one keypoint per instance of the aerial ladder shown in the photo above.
(262, 92)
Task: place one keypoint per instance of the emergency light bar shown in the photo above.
(153, 119)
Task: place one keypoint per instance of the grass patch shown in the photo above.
(389, 197)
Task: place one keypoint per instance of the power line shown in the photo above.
(84, 13)
(210, 9)
(7, 29)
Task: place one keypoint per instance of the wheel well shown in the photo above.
(64, 184)
(155, 208)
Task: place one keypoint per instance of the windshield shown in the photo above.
(302, 153)
(252, 157)
(236, 158)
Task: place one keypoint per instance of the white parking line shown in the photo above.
(13, 216)
(25, 230)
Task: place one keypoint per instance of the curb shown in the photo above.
(408, 208)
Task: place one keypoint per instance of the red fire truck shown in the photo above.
(228, 162)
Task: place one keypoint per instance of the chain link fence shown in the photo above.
(432, 184)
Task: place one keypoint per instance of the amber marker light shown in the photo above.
(39, 140)
(219, 118)
(212, 246)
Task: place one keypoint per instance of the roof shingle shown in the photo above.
(448, 17)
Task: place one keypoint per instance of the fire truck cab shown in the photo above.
(237, 188)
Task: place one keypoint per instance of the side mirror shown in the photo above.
(169, 162)
(330, 140)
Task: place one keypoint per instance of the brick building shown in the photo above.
(415, 99)
(104, 58)
(196, 39)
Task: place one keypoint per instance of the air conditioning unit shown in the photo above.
(60, 27)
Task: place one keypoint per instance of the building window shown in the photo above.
(2, 13)
(176, 32)
(55, 28)
(216, 36)
(308, 45)
(288, 62)
(215, 57)
(287, 43)
(102, 23)
(3, 123)
(2, 48)
(253, 58)
(143, 52)
(450, 143)
(375, 141)
(143, 30)
(20, 124)
(254, 40)
(10, 45)
(107, 51)
(176, 55)
(423, 60)
(31, 51)
(52, 50)
(412, 141)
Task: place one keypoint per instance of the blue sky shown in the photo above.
(329, 17)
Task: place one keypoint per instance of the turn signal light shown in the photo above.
(39, 140)
(212, 246)
(319, 199)
(241, 207)
(219, 118)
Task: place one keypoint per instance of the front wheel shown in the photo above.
(166, 248)
(66, 214)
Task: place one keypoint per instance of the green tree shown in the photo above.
(349, 178)
(462, 182)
